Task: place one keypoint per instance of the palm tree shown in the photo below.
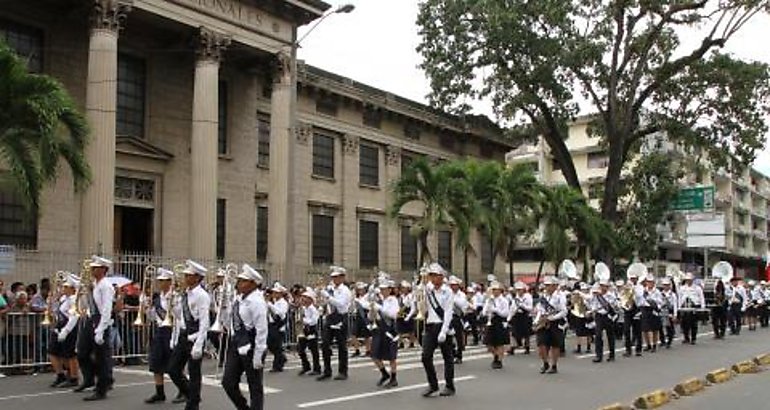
(463, 206)
(39, 125)
(523, 193)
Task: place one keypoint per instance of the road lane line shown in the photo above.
(67, 391)
(363, 362)
(375, 393)
(205, 380)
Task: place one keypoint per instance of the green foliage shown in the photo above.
(543, 62)
(39, 126)
(648, 193)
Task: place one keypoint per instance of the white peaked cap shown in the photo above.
(550, 280)
(435, 268)
(596, 287)
(71, 281)
(164, 274)
(194, 268)
(519, 285)
(605, 282)
(454, 280)
(277, 287)
(619, 282)
(221, 272)
(405, 284)
(495, 285)
(337, 271)
(310, 293)
(100, 262)
(249, 273)
(649, 278)
(666, 281)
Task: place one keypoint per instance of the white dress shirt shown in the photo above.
(692, 295)
(253, 312)
(388, 308)
(409, 302)
(558, 302)
(65, 305)
(478, 300)
(165, 298)
(523, 303)
(199, 301)
(673, 300)
(602, 308)
(739, 292)
(498, 306)
(278, 308)
(310, 315)
(340, 300)
(103, 297)
(444, 298)
(460, 303)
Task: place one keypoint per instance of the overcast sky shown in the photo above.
(375, 44)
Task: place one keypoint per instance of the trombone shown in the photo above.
(225, 296)
(169, 320)
(57, 279)
(85, 286)
(148, 276)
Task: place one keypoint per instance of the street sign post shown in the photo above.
(694, 199)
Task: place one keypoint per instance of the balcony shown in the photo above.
(724, 199)
(523, 153)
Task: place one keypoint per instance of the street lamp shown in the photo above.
(343, 9)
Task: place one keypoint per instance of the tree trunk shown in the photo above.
(539, 271)
(611, 192)
(424, 251)
(465, 265)
(510, 264)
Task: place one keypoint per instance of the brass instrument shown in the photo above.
(56, 280)
(147, 277)
(321, 299)
(420, 295)
(225, 295)
(168, 321)
(579, 308)
(627, 301)
(83, 290)
(541, 318)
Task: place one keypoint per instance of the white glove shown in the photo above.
(99, 338)
(197, 353)
(257, 362)
(61, 336)
(442, 337)
(192, 338)
(244, 350)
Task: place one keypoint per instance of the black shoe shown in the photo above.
(323, 377)
(180, 398)
(552, 370)
(638, 354)
(577, 351)
(544, 368)
(275, 371)
(341, 376)
(686, 341)
(588, 350)
(314, 373)
(392, 383)
(458, 360)
(526, 350)
(95, 397)
(654, 349)
(383, 379)
(302, 372)
(627, 354)
(447, 392)
(59, 380)
(611, 359)
(429, 392)
(156, 398)
(597, 360)
(356, 353)
(68, 384)
(83, 387)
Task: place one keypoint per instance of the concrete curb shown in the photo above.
(719, 376)
(762, 360)
(616, 406)
(652, 400)
(689, 387)
(746, 366)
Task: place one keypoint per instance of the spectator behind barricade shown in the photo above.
(131, 336)
(10, 295)
(4, 308)
(39, 304)
(19, 330)
(117, 318)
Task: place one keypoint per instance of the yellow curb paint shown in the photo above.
(746, 366)
(719, 375)
(616, 406)
(689, 387)
(652, 400)
(763, 359)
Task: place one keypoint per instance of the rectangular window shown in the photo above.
(326, 104)
(17, 225)
(445, 249)
(263, 141)
(26, 41)
(369, 165)
(487, 262)
(597, 160)
(408, 249)
(372, 117)
(221, 222)
(368, 244)
(323, 239)
(262, 226)
(412, 130)
(323, 156)
(132, 82)
(222, 119)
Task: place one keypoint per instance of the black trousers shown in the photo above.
(668, 332)
(181, 357)
(475, 325)
(632, 332)
(275, 346)
(606, 326)
(94, 360)
(719, 320)
(763, 315)
(235, 366)
(340, 336)
(689, 326)
(305, 344)
(735, 318)
(429, 345)
(457, 326)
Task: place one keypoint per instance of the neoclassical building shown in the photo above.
(209, 140)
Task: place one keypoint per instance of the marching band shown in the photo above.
(243, 323)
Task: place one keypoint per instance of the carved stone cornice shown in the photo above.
(211, 45)
(392, 155)
(283, 68)
(303, 132)
(350, 144)
(110, 14)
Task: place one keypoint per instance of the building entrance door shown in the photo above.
(133, 229)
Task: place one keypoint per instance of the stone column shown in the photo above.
(97, 212)
(280, 238)
(391, 260)
(204, 155)
(349, 218)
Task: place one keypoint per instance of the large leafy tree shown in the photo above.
(544, 62)
(39, 126)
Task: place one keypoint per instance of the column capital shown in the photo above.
(283, 68)
(392, 155)
(211, 44)
(302, 132)
(110, 14)
(350, 144)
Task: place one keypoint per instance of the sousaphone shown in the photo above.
(601, 272)
(568, 270)
(637, 268)
(722, 270)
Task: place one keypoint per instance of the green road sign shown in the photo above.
(694, 199)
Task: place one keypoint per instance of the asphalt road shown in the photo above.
(579, 385)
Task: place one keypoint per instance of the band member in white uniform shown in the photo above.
(668, 312)
(458, 317)
(521, 316)
(605, 308)
(439, 300)
(690, 298)
(191, 329)
(477, 302)
(550, 313)
(248, 341)
(361, 325)
(157, 307)
(737, 301)
(406, 326)
(755, 298)
(61, 348)
(385, 336)
(650, 304)
(308, 340)
(632, 318)
(338, 299)
(277, 312)
(496, 310)
(93, 348)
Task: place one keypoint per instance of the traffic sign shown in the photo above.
(694, 199)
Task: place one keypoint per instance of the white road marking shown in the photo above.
(357, 362)
(205, 380)
(622, 349)
(375, 393)
(67, 391)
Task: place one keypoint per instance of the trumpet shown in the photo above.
(148, 276)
